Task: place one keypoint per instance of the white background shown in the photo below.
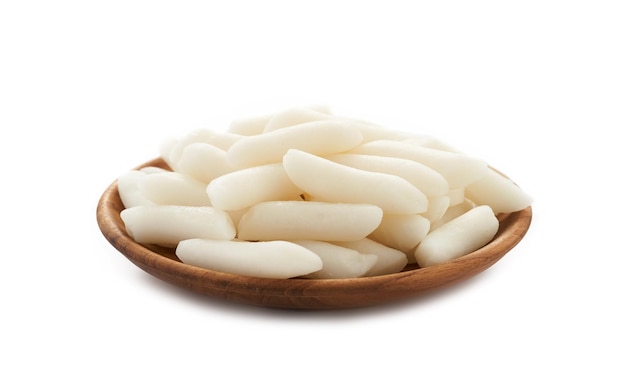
(90, 89)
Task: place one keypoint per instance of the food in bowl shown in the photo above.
(304, 193)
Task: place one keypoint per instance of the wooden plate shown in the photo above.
(304, 293)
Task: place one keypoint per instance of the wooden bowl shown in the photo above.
(304, 293)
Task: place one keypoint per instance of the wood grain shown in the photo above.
(304, 293)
